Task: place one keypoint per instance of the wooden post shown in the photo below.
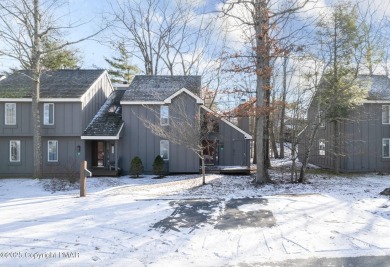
(83, 179)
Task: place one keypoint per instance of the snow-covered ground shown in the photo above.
(148, 222)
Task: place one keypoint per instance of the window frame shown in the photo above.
(383, 146)
(164, 115)
(18, 146)
(48, 151)
(162, 144)
(46, 120)
(388, 114)
(321, 119)
(6, 122)
(321, 147)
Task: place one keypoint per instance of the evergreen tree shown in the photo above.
(158, 166)
(136, 167)
(121, 68)
(64, 58)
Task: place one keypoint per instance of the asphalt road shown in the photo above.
(362, 261)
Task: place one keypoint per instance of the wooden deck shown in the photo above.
(228, 169)
(103, 171)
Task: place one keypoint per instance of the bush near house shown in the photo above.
(158, 166)
(136, 167)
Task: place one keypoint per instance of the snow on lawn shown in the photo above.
(177, 222)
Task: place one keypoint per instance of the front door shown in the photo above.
(98, 151)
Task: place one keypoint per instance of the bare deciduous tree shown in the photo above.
(24, 24)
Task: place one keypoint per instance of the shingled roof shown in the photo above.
(107, 123)
(54, 83)
(378, 86)
(145, 88)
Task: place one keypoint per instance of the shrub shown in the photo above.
(158, 166)
(136, 167)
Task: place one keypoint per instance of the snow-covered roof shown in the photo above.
(147, 88)
(378, 86)
(107, 123)
(53, 83)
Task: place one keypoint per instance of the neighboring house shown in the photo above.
(364, 134)
(69, 99)
(84, 118)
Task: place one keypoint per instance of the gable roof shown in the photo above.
(152, 88)
(107, 123)
(54, 83)
(378, 86)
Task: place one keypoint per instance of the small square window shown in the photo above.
(10, 113)
(164, 115)
(48, 114)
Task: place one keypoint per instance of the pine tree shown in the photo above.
(136, 167)
(122, 71)
(64, 58)
(158, 166)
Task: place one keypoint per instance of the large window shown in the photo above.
(321, 147)
(10, 113)
(386, 148)
(48, 114)
(52, 151)
(164, 115)
(164, 149)
(14, 151)
(385, 114)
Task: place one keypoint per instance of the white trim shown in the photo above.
(15, 99)
(86, 137)
(168, 100)
(82, 98)
(48, 151)
(184, 90)
(6, 122)
(142, 102)
(41, 100)
(383, 156)
(167, 143)
(246, 135)
(18, 151)
(44, 113)
(376, 102)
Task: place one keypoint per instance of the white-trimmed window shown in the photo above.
(14, 151)
(386, 147)
(48, 113)
(164, 149)
(321, 119)
(385, 114)
(10, 113)
(164, 115)
(321, 147)
(52, 151)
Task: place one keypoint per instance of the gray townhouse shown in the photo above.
(364, 134)
(84, 118)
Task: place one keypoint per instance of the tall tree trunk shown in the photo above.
(260, 17)
(283, 111)
(272, 136)
(36, 69)
(267, 95)
(254, 144)
(336, 146)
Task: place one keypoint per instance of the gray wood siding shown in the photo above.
(235, 150)
(68, 159)
(23, 120)
(22, 169)
(139, 141)
(361, 139)
(94, 98)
